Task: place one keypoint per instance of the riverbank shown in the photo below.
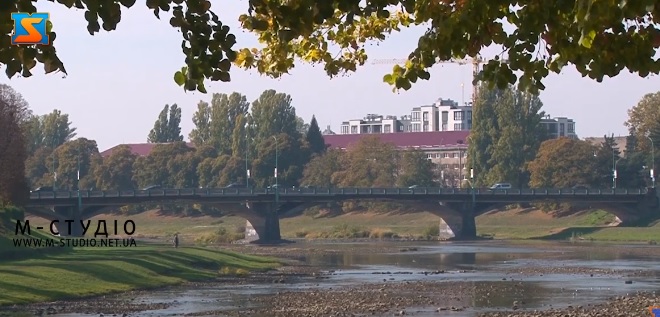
(501, 225)
(83, 272)
(411, 278)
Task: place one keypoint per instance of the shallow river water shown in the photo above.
(477, 263)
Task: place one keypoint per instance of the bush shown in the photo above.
(432, 231)
(220, 236)
(378, 233)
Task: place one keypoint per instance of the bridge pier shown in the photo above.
(458, 220)
(265, 219)
(71, 214)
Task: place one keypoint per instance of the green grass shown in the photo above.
(96, 271)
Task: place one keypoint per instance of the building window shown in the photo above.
(455, 155)
(426, 127)
(426, 116)
(458, 115)
(415, 116)
(429, 155)
(344, 129)
(354, 129)
(562, 131)
(444, 126)
(458, 126)
(469, 115)
(571, 128)
(388, 128)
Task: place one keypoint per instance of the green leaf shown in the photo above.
(388, 79)
(587, 38)
(49, 26)
(179, 78)
(201, 88)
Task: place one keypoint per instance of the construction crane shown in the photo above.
(476, 67)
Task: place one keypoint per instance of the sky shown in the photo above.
(119, 81)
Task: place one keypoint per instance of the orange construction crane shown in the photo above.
(476, 67)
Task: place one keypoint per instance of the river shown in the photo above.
(556, 275)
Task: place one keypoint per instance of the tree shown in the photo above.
(481, 139)
(116, 171)
(174, 124)
(607, 38)
(226, 110)
(49, 130)
(506, 135)
(607, 156)
(302, 126)
(595, 44)
(563, 163)
(14, 112)
(416, 169)
(315, 138)
(154, 169)
(320, 171)
(644, 117)
(166, 129)
(201, 133)
(76, 159)
(369, 162)
(272, 113)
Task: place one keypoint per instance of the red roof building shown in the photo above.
(421, 140)
(139, 149)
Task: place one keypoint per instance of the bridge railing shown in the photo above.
(196, 192)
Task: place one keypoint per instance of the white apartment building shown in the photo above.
(443, 115)
(372, 123)
(559, 127)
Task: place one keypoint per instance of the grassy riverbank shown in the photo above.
(510, 224)
(96, 271)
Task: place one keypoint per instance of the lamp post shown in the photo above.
(277, 189)
(652, 172)
(474, 198)
(54, 173)
(247, 168)
(613, 171)
(614, 174)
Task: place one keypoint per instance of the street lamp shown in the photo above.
(652, 172)
(277, 189)
(247, 168)
(614, 176)
(54, 173)
(474, 198)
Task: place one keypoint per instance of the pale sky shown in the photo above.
(119, 81)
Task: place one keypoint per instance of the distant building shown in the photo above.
(443, 115)
(559, 127)
(620, 141)
(448, 148)
(139, 149)
(328, 131)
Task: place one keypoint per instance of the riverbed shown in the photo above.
(457, 279)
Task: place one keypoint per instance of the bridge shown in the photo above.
(457, 208)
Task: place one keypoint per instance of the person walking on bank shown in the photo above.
(176, 240)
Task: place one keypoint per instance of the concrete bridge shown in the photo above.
(457, 208)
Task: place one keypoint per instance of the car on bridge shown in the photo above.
(236, 185)
(500, 186)
(150, 187)
(42, 189)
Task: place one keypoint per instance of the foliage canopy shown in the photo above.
(601, 38)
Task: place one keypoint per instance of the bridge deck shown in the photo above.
(334, 194)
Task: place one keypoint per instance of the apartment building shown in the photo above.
(443, 115)
(559, 127)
